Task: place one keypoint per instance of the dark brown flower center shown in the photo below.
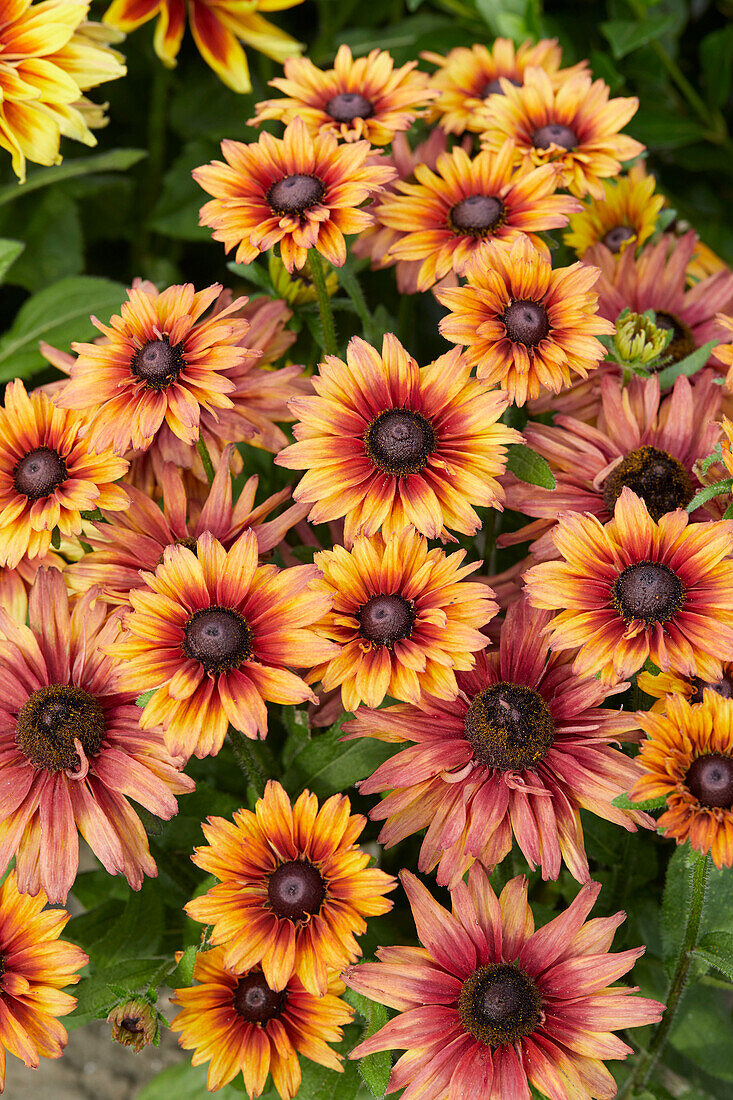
(218, 638)
(509, 726)
(500, 1004)
(294, 194)
(157, 363)
(385, 620)
(554, 133)
(132, 1024)
(494, 86)
(657, 477)
(615, 238)
(526, 322)
(347, 106)
(648, 591)
(255, 1001)
(39, 473)
(399, 442)
(723, 687)
(50, 722)
(477, 215)
(710, 780)
(682, 343)
(296, 889)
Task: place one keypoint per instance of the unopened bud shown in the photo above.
(134, 1024)
(638, 340)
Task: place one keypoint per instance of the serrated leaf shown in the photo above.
(58, 314)
(710, 491)
(116, 160)
(528, 466)
(374, 1068)
(9, 253)
(144, 699)
(687, 366)
(716, 948)
(328, 766)
(624, 803)
(95, 995)
(627, 35)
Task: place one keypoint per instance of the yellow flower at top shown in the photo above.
(626, 215)
(575, 127)
(218, 28)
(466, 77)
(367, 98)
(49, 56)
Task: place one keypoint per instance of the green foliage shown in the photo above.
(374, 1068)
(529, 466)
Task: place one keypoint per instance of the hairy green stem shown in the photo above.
(203, 450)
(648, 1059)
(315, 265)
(248, 762)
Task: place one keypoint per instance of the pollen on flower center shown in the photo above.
(295, 194)
(710, 779)
(296, 890)
(218, 638)
(617, 237)
(682, 343)
(52, 720)
(39, 472)
(347, 106)
(400, 442)
(385, 620)
(494, 86)
(499, 1004)
(509, 726)
(554, 133)
(477, 215)
(255, 1001)
(657, 477)
(526, 322)
(648, 591)
(157, 363)
(722, 687)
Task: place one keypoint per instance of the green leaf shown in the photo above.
(144, 699)
(716, 62)
(176, 214)
(716, 455)
(528, 466)
(9, 253)
(710, 491)
(702, 1031)
(375, 1068)
(627, 35)
(687, 366)
(95, 994)
(676, 899)
(326, 765)
(54, 241)
(116, 160)
(182, 976)
(58, 314)
(666, 129)
(184, 1082)
(137, 931)
(716, 949)
(624, 803)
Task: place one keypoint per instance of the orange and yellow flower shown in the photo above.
(36, 967)
(635, 589)
(294, 888)
(48, 478)
(160, 363)
(661, 684)
(218, 28)
(49, 56)
(704, 262)
(405, 617)
(688, 759)
(124, 545)
(625, 217)
(466, 77)
(724, 352)
(363, 98)
(448, 214)
(487, 1004)
(212, 630)
(300, 192)
(574, 126)
(72, 752)
(388, 444)
(525, 326)
(237, 1023)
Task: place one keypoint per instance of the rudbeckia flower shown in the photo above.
(635, 589)
(294, 888)
(237, 1023)
(624, 218)
(488, 1006)
(218, 28)
(661, 684)
(300, 192)
(388, 444)
(688, 758)
(524, 746)
(212, 630)
(48, 477)
(73, 753)
(363, 98)
(724, 352)
(36, 967)
(575, 127)
(525, 326)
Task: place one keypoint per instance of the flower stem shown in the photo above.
(205, 458)
(247, 760)
(648, 1059)
(315, 265)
